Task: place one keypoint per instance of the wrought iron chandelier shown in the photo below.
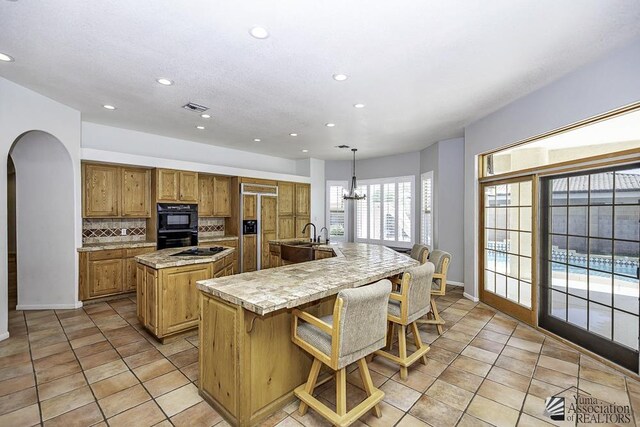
(354, 194)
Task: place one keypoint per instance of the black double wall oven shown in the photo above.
(177, 225)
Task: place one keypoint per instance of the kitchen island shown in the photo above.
(167, 298)
(248, 365)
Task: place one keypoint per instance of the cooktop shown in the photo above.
(200, 251)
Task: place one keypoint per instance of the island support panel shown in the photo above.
(249, 366)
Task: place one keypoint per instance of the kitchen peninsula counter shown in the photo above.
(248, 365)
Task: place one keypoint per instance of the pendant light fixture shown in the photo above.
(354, 194)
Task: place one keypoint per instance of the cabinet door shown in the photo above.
(300, 223)
(232, 243)
(136, 192)
(141, 294)
(303, 200)
(131, 267)
(249, 203)
(205, 195)
(249, 253)
(180, 297)
(286, 227)
(153, 302)
(285, 198)
(269, 224)
(105, 277)
(188, 187)
(101, 196)
(221, 196)
(167, 185)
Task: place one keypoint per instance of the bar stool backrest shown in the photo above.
(419, 290)
(419, 252)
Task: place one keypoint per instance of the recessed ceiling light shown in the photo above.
(109, 107)
(293, 134)
(340, 77)
(6, 58)
(256, 140)
(305, 151)
(205, 116)
(358, 105)
(330, 125)
(200, 127)
(164, 82)
(259, 32)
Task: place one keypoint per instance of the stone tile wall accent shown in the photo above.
(210, 227)
(110, 230)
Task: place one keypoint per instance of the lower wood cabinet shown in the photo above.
(168, 299)
(230, 243)
(108, 272)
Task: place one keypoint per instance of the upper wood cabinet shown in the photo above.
(221, 196)
(101, 195)
(136, 192)
(115, 191)
(205, 195)
(286, 198)
(249, 208)
(303, 197)
(176, 186)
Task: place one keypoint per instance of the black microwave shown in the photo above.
(177, 225)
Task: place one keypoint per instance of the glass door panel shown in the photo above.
(507, 269)
(590, 260)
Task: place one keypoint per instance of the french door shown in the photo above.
(590, 260)
(508, 247)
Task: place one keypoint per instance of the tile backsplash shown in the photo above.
(110, 230)
(210, 227)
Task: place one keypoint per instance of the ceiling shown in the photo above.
(423, 68)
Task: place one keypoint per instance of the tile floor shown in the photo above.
(95, 366)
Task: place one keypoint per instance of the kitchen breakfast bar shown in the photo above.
(249, 366)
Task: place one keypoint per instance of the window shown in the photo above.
(336, 210)
(386, 215)
(426, 213)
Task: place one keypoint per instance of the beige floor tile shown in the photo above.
(134, 348)
(417, 379)
(175, 347)
(470, 365)
(450, 394)
(66, 402)
(487, 345)
(184, 358)
(123, 400)
(502, 394)
(146, 414)
(411, 421)
(354, 378)
(449, 344)
(57, 371)
(289, 422)
(383, 366)
(143, 358)
(165, 383)
(560, 353)
(603, 392)
(529, 421)
(390, 416)
(15, 384)
(99, 359)
(519, 354)
(543, 390)
(554, 377)
(464, 380)
(53, 360)
(441, 355)
(15, 359)
(61, 385)
(88, 340)
(558, 365)
(435, 412)
(49, 350)
(480, 354)
(178, 400)
(510, 379)
(607, 378)
(86, 415)
(200, 414)
(493, 336)
(516, 365)
(274, 419)
(24, 417)
(191, 371)
(18, 400)
(153, 369)
(399, 395)
(471, 421)
(91, 349)
(105, 371)
(16, 371)
(492, 412)
(114, 384)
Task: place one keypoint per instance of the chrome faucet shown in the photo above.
(327, 234)
(315, 237)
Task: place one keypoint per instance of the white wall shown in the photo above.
(45, 223)
(596, 88)
(22, 110)
(318, 185)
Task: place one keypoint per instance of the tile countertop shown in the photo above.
(266, 291)
(164, 259)
(318, 246)
(90, 247)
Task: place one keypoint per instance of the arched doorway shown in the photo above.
(44, 222)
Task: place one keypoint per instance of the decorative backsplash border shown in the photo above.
(210, 227)
(110, 230)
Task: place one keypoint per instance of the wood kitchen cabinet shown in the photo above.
(174, 186)
(294, 209)
(230, 243)
(168, 299)
(108, 272)
(214, 196)
(115, 192)
(300, 223)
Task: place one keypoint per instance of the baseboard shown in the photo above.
(4, 336)
(472, 298)
(75, 305)
(452, 283)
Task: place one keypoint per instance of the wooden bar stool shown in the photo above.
(405, 307)
(356, 329)
(440, 260)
